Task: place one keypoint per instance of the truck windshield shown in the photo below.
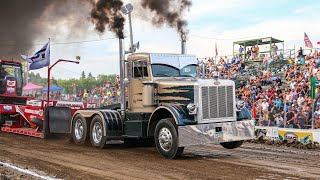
(163, 70)
(10, 70)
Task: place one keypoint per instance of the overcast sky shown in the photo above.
(210, 22)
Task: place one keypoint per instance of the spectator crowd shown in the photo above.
(103, 95)
(275, 95)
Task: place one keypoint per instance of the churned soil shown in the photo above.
(59, 158)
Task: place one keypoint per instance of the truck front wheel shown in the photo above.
(79, 129)
(96, 133)
(166, 139)
(231, 145)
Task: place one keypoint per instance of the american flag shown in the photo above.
(307, 41)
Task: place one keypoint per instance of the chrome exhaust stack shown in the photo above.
(122, 83)
(183, 43)
(183, 46)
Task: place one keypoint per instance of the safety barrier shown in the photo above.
(275, 133)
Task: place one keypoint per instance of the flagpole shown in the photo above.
(216, 51)
(46, 128)
(27, 73)
(48, 91)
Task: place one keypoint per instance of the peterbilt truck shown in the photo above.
(165, 102)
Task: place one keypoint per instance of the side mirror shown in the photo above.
(128, 70)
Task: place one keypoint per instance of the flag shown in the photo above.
(307, 41)
(216, 49)
(318, 42)
(40, 59)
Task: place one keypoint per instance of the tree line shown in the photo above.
(69, 85)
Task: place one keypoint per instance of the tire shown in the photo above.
(2, 120)
(79, 130)
(96, 133)
(166, 132)
(231, 145)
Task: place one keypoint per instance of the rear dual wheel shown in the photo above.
(97, 137)
(81, 131)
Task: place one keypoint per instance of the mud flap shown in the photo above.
(59, 120)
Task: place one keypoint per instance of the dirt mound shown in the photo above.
(291, 143)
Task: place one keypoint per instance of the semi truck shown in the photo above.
(166, 103)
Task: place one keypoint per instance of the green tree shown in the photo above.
(54, 81)
(90, 76)
(83, 75)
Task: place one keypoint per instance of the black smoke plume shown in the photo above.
(108, 13)
(169, 12)
(24, 23)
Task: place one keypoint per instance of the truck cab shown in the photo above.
(11, 83)
(10, 78)
(168, 103)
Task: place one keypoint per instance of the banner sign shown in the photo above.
(301, 136)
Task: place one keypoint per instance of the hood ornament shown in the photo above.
(216, 82)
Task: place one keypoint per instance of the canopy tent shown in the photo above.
(260, 41)
(31, 87)
(53, 88)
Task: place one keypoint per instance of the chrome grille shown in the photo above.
(217, 102)
(205, 109)
(213, 98)
(230, 104)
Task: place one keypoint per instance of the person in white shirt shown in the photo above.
(264, 105)
(293, 84)
(279, 120)
(300, 100)
(317, 111)
(314, 71)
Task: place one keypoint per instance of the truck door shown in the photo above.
(140, 72)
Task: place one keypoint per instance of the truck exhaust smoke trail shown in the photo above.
(108, 13)
(25, 23)
(169, 12)
(28, 22)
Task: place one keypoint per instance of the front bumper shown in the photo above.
(201, 134)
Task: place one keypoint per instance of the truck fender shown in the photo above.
(168, 111)
(112, 121)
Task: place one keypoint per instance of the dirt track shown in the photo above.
(61, 159)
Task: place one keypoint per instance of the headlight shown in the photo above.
(240, 105)
(192, 108)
